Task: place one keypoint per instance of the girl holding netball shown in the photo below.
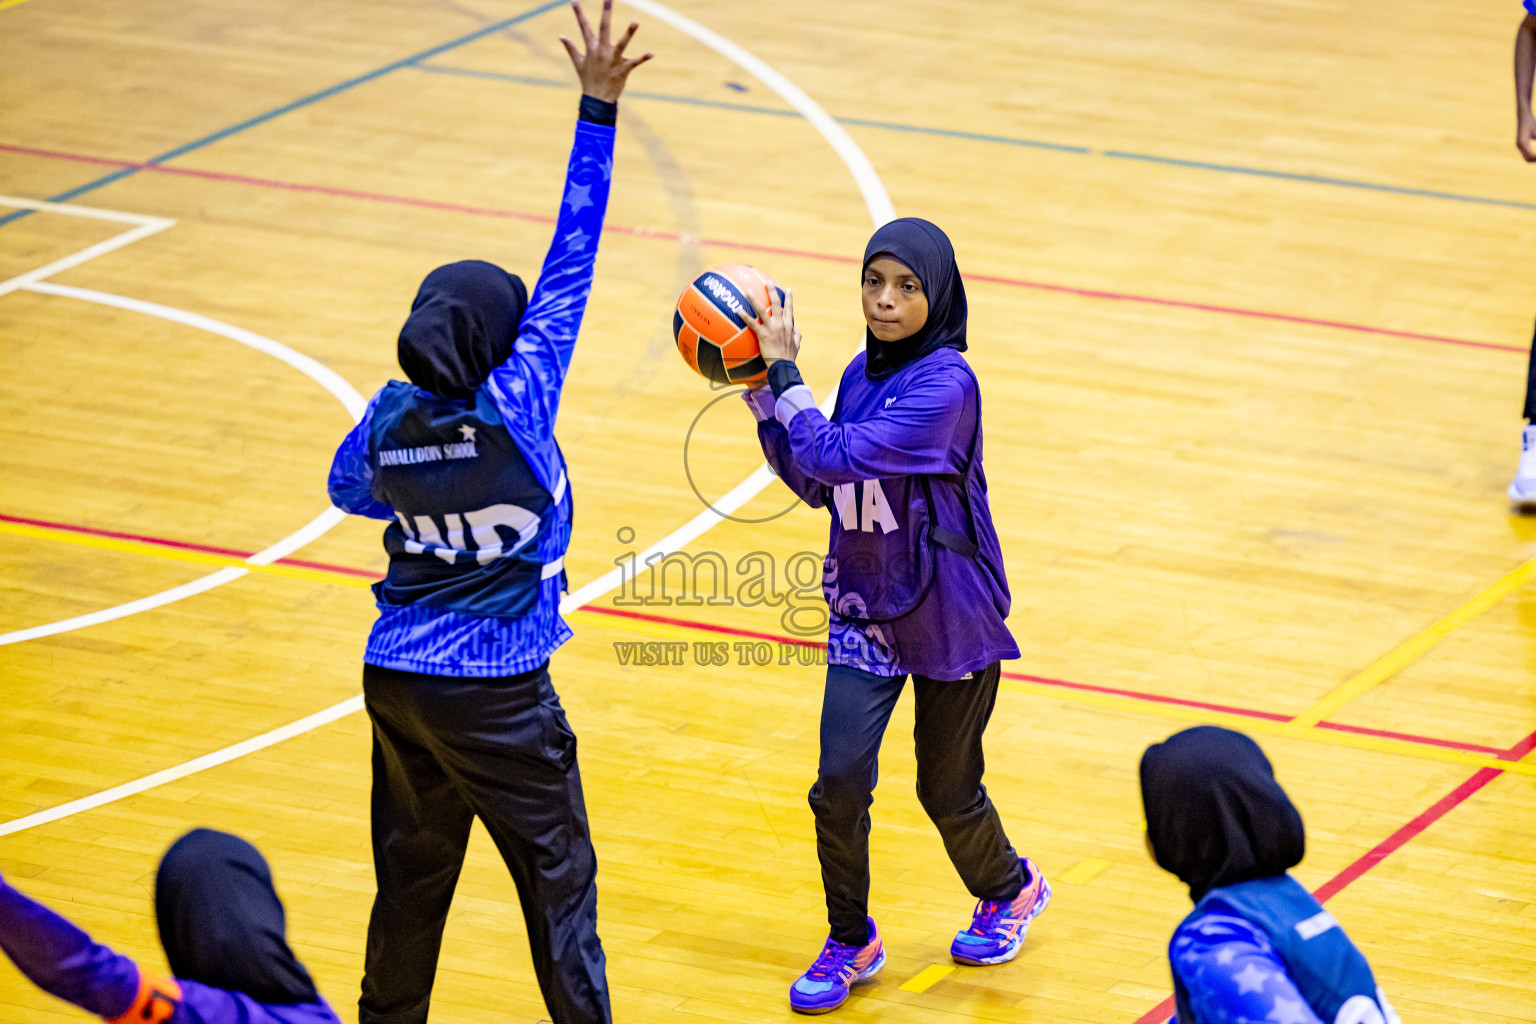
(1257, 948)
(915, 586)
(221, 925)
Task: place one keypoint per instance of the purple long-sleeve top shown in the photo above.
(923, 420)
(64, 961)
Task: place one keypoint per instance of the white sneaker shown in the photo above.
(1522, 490)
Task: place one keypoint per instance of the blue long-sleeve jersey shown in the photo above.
(524, 395)
(64, 961)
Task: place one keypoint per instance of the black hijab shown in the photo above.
(926, 250)
(221, 922)
(462, 326)
(1215, 814)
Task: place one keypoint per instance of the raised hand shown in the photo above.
(777, 336)
(603, 69)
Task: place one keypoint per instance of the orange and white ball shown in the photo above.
(714, 320)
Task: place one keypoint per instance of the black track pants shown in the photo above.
(1530, 384)
(951, 716)
(446, 750)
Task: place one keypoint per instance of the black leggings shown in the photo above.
(1530, 384)
(951, 716)
(446, 750)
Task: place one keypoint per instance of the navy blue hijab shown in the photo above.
(927, 251)
(1215, 814)
(462, 326)
(221, 922)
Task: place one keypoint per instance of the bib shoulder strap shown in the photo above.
(958, 543)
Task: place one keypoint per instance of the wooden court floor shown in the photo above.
(1250, 311)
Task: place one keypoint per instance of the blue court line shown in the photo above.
(1318, 179)
(748, 108)
(286, 108)
(1011, 140)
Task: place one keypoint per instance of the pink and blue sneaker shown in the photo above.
(997, 928)
(826, 984)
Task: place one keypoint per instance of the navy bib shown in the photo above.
(1329, 972)
(468, 509)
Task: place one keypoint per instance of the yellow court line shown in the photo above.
(10, 3)
(1134, 704)
(926, 978)
(1084, 870)
(135, 547)
(1386, 666)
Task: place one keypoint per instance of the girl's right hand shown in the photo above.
(777, 336)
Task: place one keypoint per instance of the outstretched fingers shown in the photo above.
(602, 32)
(618, 48)
(587, 38)
(602, 68)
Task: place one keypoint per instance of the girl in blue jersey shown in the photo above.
(221, 925)
(1258, 948)
(466, 723)
(915, 585)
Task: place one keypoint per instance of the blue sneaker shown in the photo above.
(997, 928)
(826, 984)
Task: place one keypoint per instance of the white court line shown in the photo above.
(881, 210)
(315, 370)
(145, 226)
(327, 378)
(181, 771)
(88, 212)
(870, 186)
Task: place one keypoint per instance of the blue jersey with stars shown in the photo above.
(1266, 952)
(465, 625)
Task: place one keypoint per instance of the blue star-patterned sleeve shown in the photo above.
(351, 481)
(527, 386)
(1233, 976)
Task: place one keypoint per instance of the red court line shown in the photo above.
(706, 627)
(1204, 307)
(1163, 1010)
(710, 627)
(426, 204)
(1362, 730)
(180, 545)
(1270, 716)
(1382, 850)
(637, 232)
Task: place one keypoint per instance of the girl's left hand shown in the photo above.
(777, 336)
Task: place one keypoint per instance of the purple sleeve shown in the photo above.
(912, 435)
(1231, 973)
(62, 960)
(203, 1004)
(351, 481)
(775, 443)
